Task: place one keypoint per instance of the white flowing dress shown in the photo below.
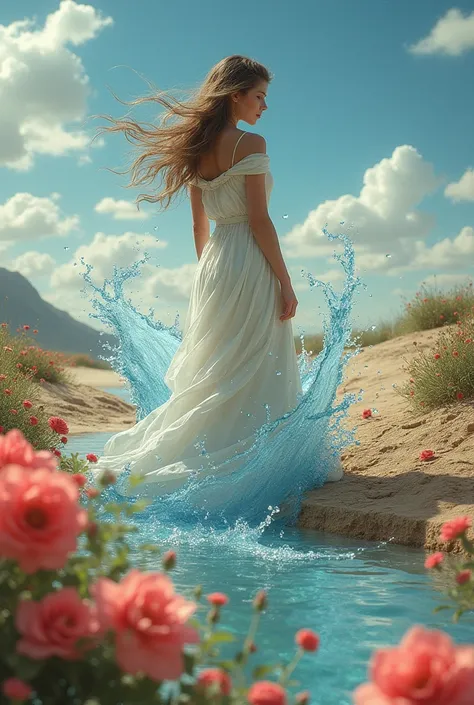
(236, 367)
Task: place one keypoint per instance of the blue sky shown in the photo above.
(380, 85)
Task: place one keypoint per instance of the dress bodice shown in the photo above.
(224, 197)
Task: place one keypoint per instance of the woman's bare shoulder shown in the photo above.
(252, 144)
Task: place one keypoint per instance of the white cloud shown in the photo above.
(170, 284)
(329, 276)
(462, 190)
(102, 253)
(453, 35)
(33, 264)
(447, 281)
(381, 220)
(26, 217)
(43, 84)
(446, 254)
(120, 209)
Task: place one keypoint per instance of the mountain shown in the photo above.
(21, 304)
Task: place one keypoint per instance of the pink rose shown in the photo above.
(40, 517)
(15, 689)
(425, 669)
(149, 620)
(455, 528)
(54, 625)
(15, 450)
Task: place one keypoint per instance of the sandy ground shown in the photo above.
(83, 404)
(387, 493)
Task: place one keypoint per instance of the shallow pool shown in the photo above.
(356, 595)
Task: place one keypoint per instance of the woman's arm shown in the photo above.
(201, 227)
(260, 222)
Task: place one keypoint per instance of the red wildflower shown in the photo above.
(217, 599)
(459, 396)
(427, 455)
(26, 327)
(455, 353)
(33, 420)
(58, 424)
(92, 458)
(215, 677)
(463, 576)
(307, 640)
(63, 439)
(437, 356)
(27, 404)
(8, 392)
(434, 560)
(367, 413)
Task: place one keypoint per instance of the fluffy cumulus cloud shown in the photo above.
(453, 35)
(43, 84)
(103, 253)
(447, 281)
(165, 289)
(462, 190)
(120, 209)
(383, 219)
(27, 217)
(446, 254)
(33, 264)
(170, 284)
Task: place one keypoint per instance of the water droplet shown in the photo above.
(278, 374)
(66, 248)
(373, 327)
(156, 227)
(388, 256)
(285, 216)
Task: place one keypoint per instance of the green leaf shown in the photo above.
(439, 608)
(221, 638)
(262, 671)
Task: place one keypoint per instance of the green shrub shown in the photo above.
(444, 374)
(18, 354)
(433, 308)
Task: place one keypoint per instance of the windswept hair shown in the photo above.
(186, 130)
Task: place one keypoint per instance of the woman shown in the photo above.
(236, 367)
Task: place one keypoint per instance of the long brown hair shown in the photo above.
(173, 150)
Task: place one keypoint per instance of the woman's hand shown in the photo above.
(289, 302)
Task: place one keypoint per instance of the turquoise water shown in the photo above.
(357, 595)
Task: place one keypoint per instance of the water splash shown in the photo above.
(289, 455)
